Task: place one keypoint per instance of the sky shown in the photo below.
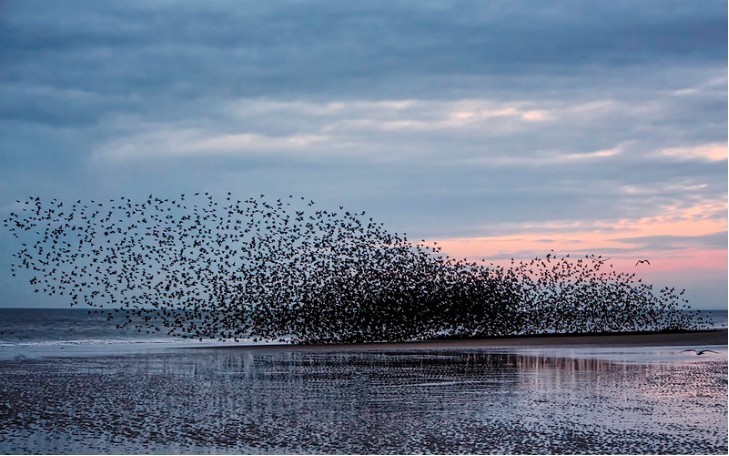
(499, 129)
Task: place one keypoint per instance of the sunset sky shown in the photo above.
(499, 129)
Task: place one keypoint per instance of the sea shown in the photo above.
(34, 333)
(30, 333)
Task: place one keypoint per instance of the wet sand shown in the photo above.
(451, 397)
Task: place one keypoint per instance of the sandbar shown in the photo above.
(697, 339)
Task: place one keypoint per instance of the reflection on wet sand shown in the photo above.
(361, 402)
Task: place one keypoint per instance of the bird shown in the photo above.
(197, 267)
(699, 352)
(642, 261)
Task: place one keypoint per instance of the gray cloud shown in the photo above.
(320, 48)
(708, 241)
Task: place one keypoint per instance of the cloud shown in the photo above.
(715, 152)
(180, 143)
(478, 161)
(487, 130)
(701, 227)
(374, 50)
(679, 242)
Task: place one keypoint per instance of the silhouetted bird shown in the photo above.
(699, 352)
(197, 267)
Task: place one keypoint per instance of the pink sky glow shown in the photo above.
(622, 240)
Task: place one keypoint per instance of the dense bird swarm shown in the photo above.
(284, 270)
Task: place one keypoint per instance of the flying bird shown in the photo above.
(699, 352)
(230, 269)
(642, 261)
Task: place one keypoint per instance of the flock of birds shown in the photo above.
(274, 269)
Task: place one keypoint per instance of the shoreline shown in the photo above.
(697, 338)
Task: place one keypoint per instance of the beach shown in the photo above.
(623, 394)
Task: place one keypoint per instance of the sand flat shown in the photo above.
(382, 401)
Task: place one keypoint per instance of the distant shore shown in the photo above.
(699, 338)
